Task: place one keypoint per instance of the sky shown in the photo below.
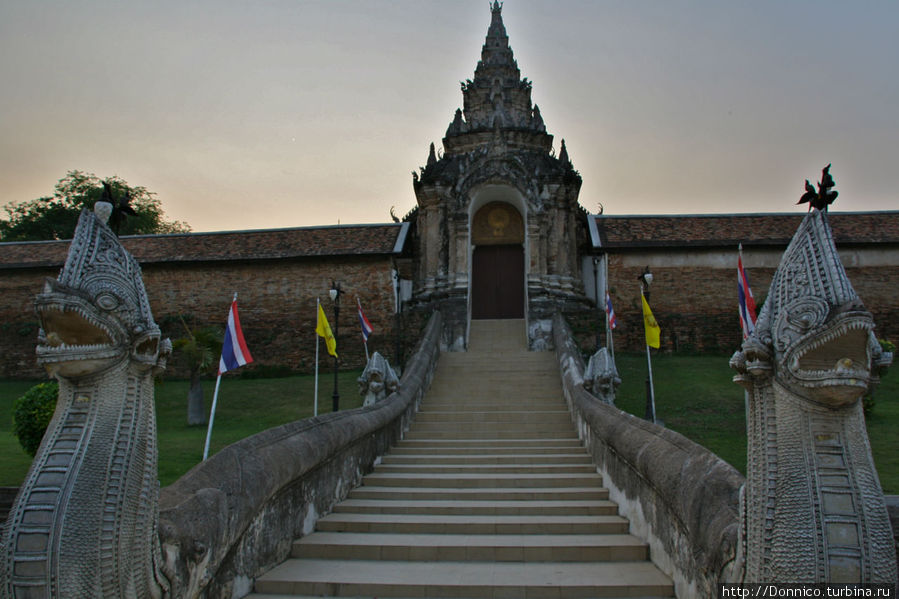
(281, 113)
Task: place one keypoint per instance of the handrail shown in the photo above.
(234, 516)
(679, 496)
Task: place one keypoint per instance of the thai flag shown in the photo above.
(610, 311)
(367, 329)
(234, 349)
(746, 301)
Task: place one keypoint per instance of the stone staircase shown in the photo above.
(490, 494)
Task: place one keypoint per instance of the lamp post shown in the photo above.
(645, 279)
(335, 297)
(396, 317)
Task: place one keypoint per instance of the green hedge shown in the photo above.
(32, 413)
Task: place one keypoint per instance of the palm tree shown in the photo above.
(199, 349)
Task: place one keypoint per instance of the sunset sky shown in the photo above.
(276, 113)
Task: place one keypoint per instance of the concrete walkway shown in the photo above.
(489, 495)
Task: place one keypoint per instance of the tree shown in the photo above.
(32, 413)
(200, 350)
(55, 217)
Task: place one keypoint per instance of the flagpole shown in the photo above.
(215, 397)
(744, 310)
(652, 393)
(315, 408)
(364, 340)
(610, 342)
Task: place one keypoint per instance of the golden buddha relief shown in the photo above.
(497, 223)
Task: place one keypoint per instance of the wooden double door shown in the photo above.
(497, 285)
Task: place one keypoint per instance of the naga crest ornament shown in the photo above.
(813, 509)
(96, 312)
(84, 523)
(813, 333)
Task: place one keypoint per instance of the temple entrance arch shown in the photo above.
(497, 259)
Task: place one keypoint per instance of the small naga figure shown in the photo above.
(813, 508)
(378, 380)
(601, 376)
(85, 521)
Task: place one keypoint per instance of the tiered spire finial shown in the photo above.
(497, 98)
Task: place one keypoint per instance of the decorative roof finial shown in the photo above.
(824, 196)
(563, 154)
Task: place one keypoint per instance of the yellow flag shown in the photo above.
(324, 330)
(649, 323)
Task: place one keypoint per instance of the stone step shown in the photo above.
(463, 453)
(415, 434)
(456, 400)
(495, 370)
(536, 386)
(482, 481)
(504, 416)
(497, 411)
(486, 468)
(510, 358)
(497, 428)
(471, 524)
(379, 578)
(471, 547)
(477, 494)
(460, 507)
(490, 494)
(557, 421)
(472, 446)
(521, 364)
(486, 458)
(491, 404)
(491, 371)
(492, 445)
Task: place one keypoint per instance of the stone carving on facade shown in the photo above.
(378, 380)
(813, 508)
(85, 521)
(601, 376)
(498, 142)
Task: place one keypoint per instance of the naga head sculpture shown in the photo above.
(813, 334)
(96, 312)
(378, 379)
(601, 376)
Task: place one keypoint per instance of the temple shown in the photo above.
(497, 260)
(497, 232)
(498, 216)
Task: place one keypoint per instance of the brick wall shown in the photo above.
(276, 300)
(696, 307)
(18, 322)
(693, 297)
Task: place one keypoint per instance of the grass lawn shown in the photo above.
(245, 407)
(694, 396)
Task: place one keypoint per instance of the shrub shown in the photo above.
(32, 413)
